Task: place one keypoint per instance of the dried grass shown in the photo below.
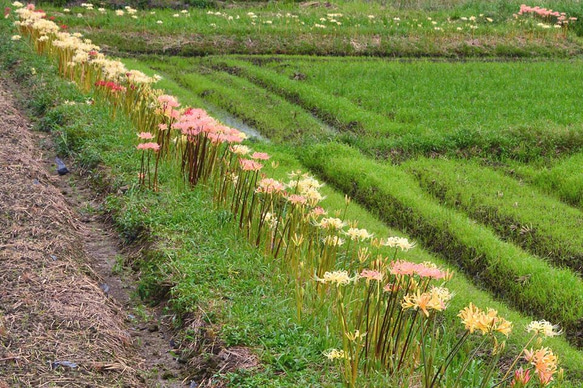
(51, 309)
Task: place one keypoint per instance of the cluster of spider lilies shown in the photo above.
(387, 312)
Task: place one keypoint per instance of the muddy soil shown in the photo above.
(67, 316)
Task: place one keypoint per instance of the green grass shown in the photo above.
(370, 28)
(197, 254)
(524, 281)
(496, 110)
(466, 242)
(191, 251)
(516, 211)
(244, 100)
(388, 110)
(562, 179)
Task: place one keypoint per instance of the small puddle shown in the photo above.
(234, 122)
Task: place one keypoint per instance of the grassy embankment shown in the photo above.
(450, 29)
(242, 101)
(197, 264)
(221, 289)
(516, 211)
(467, 245)
(457, 238)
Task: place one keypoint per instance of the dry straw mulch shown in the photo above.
(57, 328)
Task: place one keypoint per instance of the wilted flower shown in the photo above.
(335, 354)
(398, 242)
(340, 278)
(544, 328)
(391, 287)
(270, 220)
(145, 135)
(334, 241)
(356, 336)
(370, 274)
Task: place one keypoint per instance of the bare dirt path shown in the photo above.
(65, 319)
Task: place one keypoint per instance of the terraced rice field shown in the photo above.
(452, 153)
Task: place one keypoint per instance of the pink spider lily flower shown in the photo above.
(260, 156)
(250, 165)
(297, 199)
(269, 186)
(145, 135)
(168, 101)
(370, 274)
(403, 268)
(149, 146)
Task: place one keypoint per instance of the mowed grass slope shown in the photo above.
(515, 210)
(522, 280)
(562, 179)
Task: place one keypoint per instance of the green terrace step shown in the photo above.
(526, 282)
(564, 179)
(517, 211)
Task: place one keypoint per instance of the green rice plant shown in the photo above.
(272, 116)
(562, 179)
(523, 280)
(391, 112)
(515, 210)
